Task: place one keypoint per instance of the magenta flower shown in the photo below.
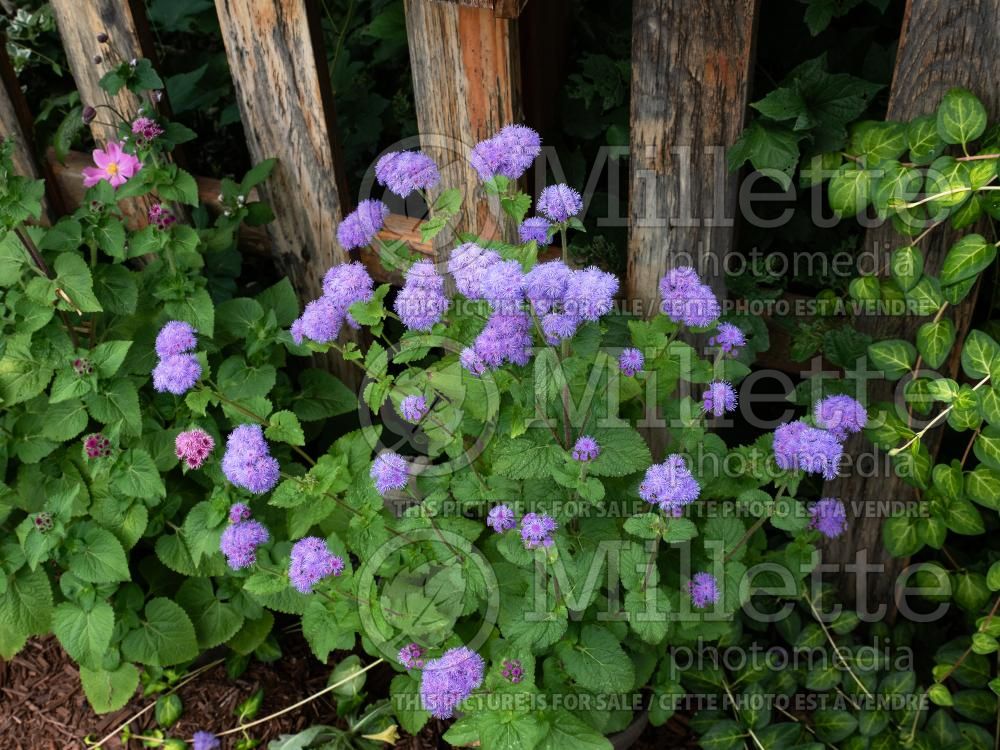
(96, 446)
(512, 670)
(193, 447)
(113, 165)
(146, 128)
(411, 656)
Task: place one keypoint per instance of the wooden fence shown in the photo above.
(691, 67)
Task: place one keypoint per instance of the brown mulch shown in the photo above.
(42, 706)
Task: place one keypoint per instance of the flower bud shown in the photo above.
(88, 114)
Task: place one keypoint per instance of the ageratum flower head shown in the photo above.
(390, 472)
(176, 337)
(205, 741)
(669, 485)
(421, 302)
(590, 293)
(719, 398)
(586, 449)
(503, 285)
(631, 361)
(247, 461)
(841, 415)
(96, 446)
(686, 300)
(239, 543)
(545, 285)
(559, 203)
(505, 338)
(534, 229)
(411, 656)
(402, 172)
(311, 562)
(501, 518)
(508, 153)
(829, 517)
(472, 362)
(799, 447)
(703, 589)
(160, 216)
(729, 338)
(176, 374)
(193, 447)
(320, 321)
(239, 512)
(362, 225)
(512, 670)
(467, 264)
(114, 165)
(559, 326)
(347, 283)
(537, 530)
(449, 680)
(146, 128)
(413, 408)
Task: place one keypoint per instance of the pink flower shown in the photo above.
(113, 165)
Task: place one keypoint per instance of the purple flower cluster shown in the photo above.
(559, 203)
(512, 670)
(503, 286)
(801, 447)
(703, 589)
(413, 408)
(343, 285)
(160, 216)
(508, 153)
(719, 398)
(311, 562)
(247, 461)
(146, 128)
(96, 446)
(829, 517)
(390, 472)
(177, 369)
(534, 229)
(686, 299)
(501, 518)
(242, 537)
(565, 298)
(506, 338)
(468, 264)
(449, 680)
(362, 225)
(402, 172)
(729, 338)
(841, 415)
(193, 447)
(537, 530)
(205, 741)
(421, 302)
(586, 449)
(630, 362)
(669, 485)
(411, 656)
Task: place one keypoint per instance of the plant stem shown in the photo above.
(944, 413)
(836, 649)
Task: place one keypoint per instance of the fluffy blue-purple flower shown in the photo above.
(176, 337)
(537, 530)
(503, 285)
(320, 321)
(703, 589)
(247, 461)
(631, 361)
(205, 741)
(586, 449)
(534, 229)
(545, 285)
(239, 543)
(829, 517)
(311, 562)
(467, 264)
(559, 203)
(841, 415)
(719, 398)
(472, 362)
(239, 512)
(176, 374)
(686, 300)
(348, 283)
(421, 302)
(413, 408)
(405, 171)
(449, 680)
(729, 338)
(390, 472)
(590, 293)
(501, 518)
(362, 225)
(559, 326)
(669, 485)
(508, 153)
(505, 338)
(799, 447)
(411, 656)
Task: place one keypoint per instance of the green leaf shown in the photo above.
(196, 309)
(25, 608)
(257, 174)
(850, 191)
(967, 258)
(135, 475)
(901, 536)
(523, 459)
(284, 427)
(961, 117)
(116, 402)
(623, 451)
(925, 296)
(983, 486)
(165, 636)
(771, 149)
(923, 139)
(85, 635)
(906, 266)
(832, 726)
(96, 556)
(644, 525)
(723, 735)
(65, 420)
(987, 447)
(23, 373)
(239, 381)
(108, 691)
(979, 354)
(934, 341)
(107, 357)
(73, 277)
(894, 357)
(214, 620)
(678, 530)
(598, 662)
(567, 731)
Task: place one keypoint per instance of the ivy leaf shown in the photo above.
(980, 354)
(961, 117)
(967, 258)
(894, 358)
(850, 190)
(906, 266)
(923, 139)
(165, 636)
(934, 341)
(85, 635)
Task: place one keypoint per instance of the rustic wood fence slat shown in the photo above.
(690, 79)
(942, 45)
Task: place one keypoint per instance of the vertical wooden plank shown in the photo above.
(466, 83)
(690, 79)
(942, 45)
(125, 23)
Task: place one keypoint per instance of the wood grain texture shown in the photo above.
(124, 21)
(942, 45)
(691, 65)
(500, 8)
(466, 86)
